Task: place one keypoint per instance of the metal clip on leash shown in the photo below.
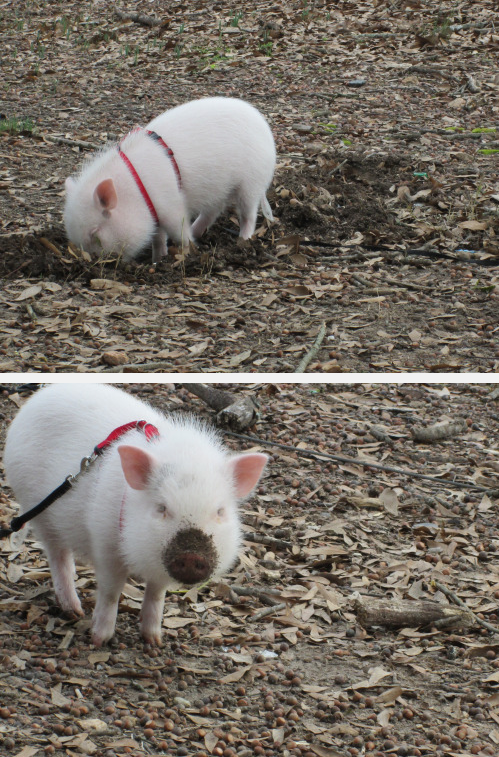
(17, 523)
(85, 464)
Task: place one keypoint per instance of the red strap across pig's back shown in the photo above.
(136, 177)
(138, 181)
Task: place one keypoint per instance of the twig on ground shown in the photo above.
(140, 368)
(71, 142)
(439, 431)
(217, 399)
(313, 455)
(233, 412)
(338, 167)
(137, 18)
(261, 594)
(399, 613)
(408, 285)
(452, 595)
(361, 280)
(269, 541)
(267, 611)
(302, 367)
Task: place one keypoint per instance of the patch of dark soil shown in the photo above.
(46, 254)
(345, 195)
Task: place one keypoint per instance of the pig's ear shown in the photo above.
(247, 469)
(105, 196)
(137, 465)
(70, 184)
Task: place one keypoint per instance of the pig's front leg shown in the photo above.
(109, 588)
(62, 568)
(159, 245)
(151, 615)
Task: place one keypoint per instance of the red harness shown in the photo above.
(136, 177)
(149, 430)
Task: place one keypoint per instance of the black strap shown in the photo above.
(17, 523)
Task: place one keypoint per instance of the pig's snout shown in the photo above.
(189, 568)
(191, 557)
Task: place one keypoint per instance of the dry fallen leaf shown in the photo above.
(30, 292)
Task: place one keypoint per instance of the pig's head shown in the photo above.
(102, 216)
(183, 527)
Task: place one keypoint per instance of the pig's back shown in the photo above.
(218, 137)
(57, 427)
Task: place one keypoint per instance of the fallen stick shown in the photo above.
(267, 611)
(268, 541)
(312, 454)
(232, 412)
(439, 431)
(261, 594)
(164, 367)
(398, 613)
(137, 18)
(452, 595)
(217, 399)
(71, 142)
(302, 367)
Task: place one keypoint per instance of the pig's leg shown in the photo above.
(247, 211)
(203, 222)
(110, 582)
(159, 248)
(151, 614)
(62, 568)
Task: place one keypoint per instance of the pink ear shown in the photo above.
(105, 196)
(137, 465)
(247, 469)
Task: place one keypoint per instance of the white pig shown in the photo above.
(210, 154)
(163, 510)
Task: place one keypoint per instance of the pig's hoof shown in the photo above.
(154, 639)
(73, 612)
(102, 632)
(98, 640)
(70, 605)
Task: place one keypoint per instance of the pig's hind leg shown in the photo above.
(151, 614)
(204, 220)
(247, 209)
(62, 568)
(247, 221)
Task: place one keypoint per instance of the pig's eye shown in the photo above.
(221, 512)
(163, 510)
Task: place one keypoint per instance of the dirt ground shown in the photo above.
(384, 115)
(276, 659)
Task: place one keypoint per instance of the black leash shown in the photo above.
(17, 523)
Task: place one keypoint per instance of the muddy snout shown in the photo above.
(191, 557)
